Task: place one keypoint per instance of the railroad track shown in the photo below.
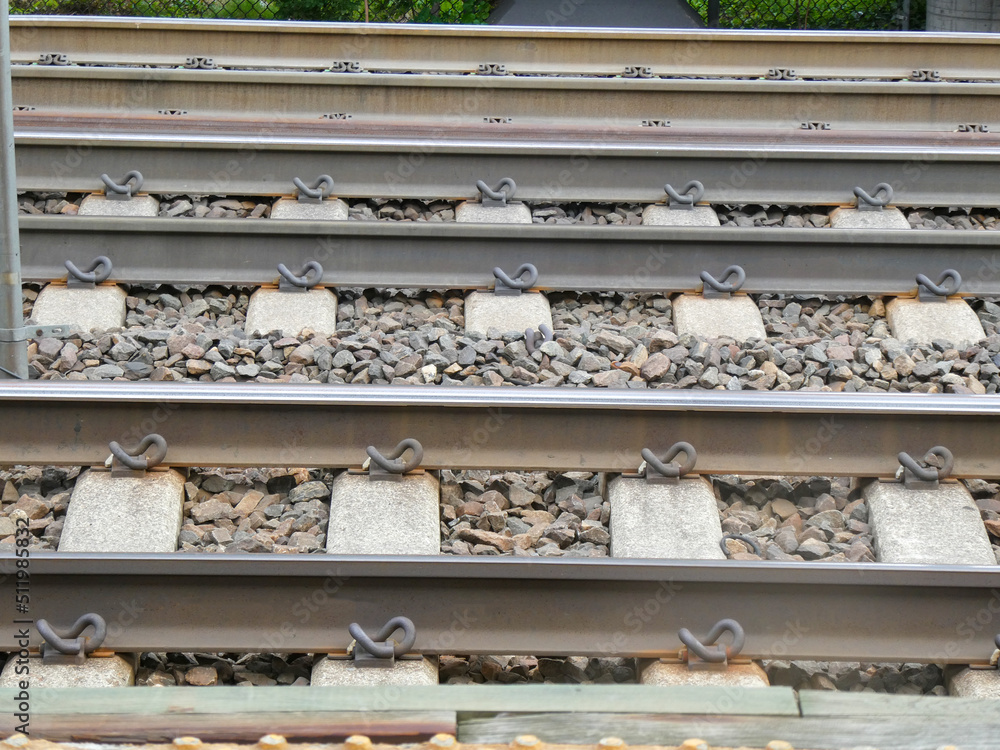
(462, 256)
(580, 144)
(524, 51)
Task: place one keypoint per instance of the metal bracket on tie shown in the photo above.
(637, 71)
(391, 467)
(97, 272)
(690, 194)
(925, 74)
(380, 652)
(58, 649)
(874, 202)
(995, 659)
(199, 63)
(661, 471)
(310, 275)
(533, 338)
(720, 288)
(707, 654)
(947, 284)
(16, 335)
(318, 192)
(521, 281)
(53, 58)
(781, 74)
(917, 477)
(498, 196)
(346, 66)
(122, 191)
(491, 69)
(133, 463)
(750, 541)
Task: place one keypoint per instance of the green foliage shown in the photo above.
(419, 11)
(805, 14)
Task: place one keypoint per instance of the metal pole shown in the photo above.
(13, 353)
(714, 11)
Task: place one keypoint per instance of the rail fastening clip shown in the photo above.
(917, 477)
(71, 643)
(660, 471)
(391, 467)
(380, 652)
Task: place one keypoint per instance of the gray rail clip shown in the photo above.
(707, 654)
(660, 471)
(917, 477)
(134, 463)
(995, 659)
(98, 271)
(380, 652)
(947, 284)
(317, 193)
(310, 275)
(391, 467)
(722, 288)
(879, 198)
(533, 338)
(70, 646)
(688, 195)
(122, 191)
(747, 540)
(521, 281)
(498, 196)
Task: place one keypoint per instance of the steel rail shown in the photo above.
(431, 99)
(271, 603)
(462, 256)
(517, 428)
(524, 50)
(606, 164)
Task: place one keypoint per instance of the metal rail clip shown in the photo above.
(637, 71)
(70, 646)
(392, 467)
(380, 652)
(747, 540)
(98, 271)
(491, 69)
(320, 190)
(874, 201)
(659, 471)
(533, 338)
(521, 281)
(995, 659)
(707, 654)
(115, 191)
(498, 196)
(690, 194)
(199, 63)
(781, 74)
(713, 288)
(947, 284)
(133, 463)
(53, 58)
(310, 275)
(917, 477)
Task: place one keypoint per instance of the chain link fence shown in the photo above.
(875, 15)
(384, 11)
(829, 15)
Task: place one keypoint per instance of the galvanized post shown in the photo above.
(714, 11)
(13, 346)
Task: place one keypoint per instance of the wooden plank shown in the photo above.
(647, 699)
(238, 726)
(827, 733)
(817, 703)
